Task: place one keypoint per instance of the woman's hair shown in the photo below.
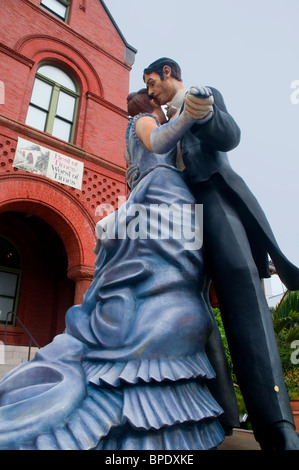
(158, 66)
(139, 102)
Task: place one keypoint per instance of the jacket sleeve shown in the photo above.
(221, 131)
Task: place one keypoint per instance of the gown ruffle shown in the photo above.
(66, 403)
(130, 371)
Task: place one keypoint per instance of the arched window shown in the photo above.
(10, 270)
(59, 8)
(53, 102)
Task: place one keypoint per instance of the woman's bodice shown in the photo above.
(139, 155)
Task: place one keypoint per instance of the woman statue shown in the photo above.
(130, 371)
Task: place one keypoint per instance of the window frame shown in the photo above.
(51, 111)
(66, 3)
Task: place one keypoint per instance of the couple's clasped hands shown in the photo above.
(161, 139)
(199, 102)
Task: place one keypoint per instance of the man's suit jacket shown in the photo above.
(204, 149)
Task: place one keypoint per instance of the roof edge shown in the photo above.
(130, 50)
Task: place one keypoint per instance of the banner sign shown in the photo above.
(42, 161)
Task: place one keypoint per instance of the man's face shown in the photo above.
(161, 90)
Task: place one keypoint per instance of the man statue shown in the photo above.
(237, 240)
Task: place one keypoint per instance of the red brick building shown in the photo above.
(64, 75)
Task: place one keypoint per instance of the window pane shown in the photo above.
(61, 129)
(41, 94)
(8, 283)
(36, 118)
(58, 76)
(6, 306)
(56, 7)
(66, 106)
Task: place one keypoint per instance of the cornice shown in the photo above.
(58, 144)
(16, 55)
(81, 272)
(107, 104)
(78, 35)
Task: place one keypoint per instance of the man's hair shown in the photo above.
(139, 102)
(158, 65)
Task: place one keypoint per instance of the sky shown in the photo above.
(249, 51)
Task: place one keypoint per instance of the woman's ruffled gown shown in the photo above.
(130, 371)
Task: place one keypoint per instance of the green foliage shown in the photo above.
(291, 378)
(240, 400)
(286, 326)
(285, 356)
(242, 408)
(288, 303)
(224, 341)
(287, 329)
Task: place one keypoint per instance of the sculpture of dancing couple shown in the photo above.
(141, 365)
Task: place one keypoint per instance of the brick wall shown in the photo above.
(92, 50)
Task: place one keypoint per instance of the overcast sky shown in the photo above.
(249, 51)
